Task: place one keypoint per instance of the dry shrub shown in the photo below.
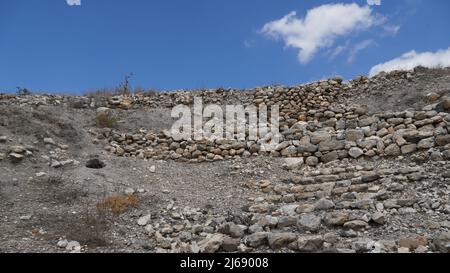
(90, 230)
(106, 119)
(53, 179)
(101, 93)
(118, 204)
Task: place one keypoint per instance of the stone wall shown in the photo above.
(317, 123)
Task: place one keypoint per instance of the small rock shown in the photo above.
(443, 140)
(304, 208)
(26, 217)
(355, 224)
(421, 249)
(426, 143)
(337, 218)
(143, 221)
(102, 110)
(432, 97)
(211, 244)
(152, 169)
(232, 229)
(309, 222)
(268, 221)
(129, 191)
(49, 141)
(324, 204)
(278, 240)
(403, 250)
(413, 242)
(73, 246)
(259, 208)
(15, 157)
(310, 243)
(257, 239)
(442, 242)
(40, 174)
(355, 152)
(312, 161)
(293, 163)
(286, 221)
(289, 209)
(230, 244)
(363, 245)
(331, 237)
(17, 149)
(410, 148)
(329, 157)
(379, 218)
(255, 228)
(62, 243)
(446, 103)
(392, 150)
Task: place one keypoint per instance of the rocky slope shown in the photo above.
(362, 166)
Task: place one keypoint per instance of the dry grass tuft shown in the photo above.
(118, 204)
(106, 120)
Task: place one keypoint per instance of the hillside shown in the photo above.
(362, 166)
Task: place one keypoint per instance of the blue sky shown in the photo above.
(48, 45)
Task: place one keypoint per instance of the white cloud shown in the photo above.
(374, 2)
(73, 2)
(337, 51)
(321, 27)
(409, 60)
(357, 48)
(392, 30)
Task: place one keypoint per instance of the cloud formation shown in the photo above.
(410, 60)
(357, 48)
(392, 29)
(337, 51)
(374, 2)
(320, 27)
(73, 2)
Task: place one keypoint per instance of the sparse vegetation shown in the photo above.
(89, 228)
(124, 89)
(118, 204)
(54, 179)
(106, 119)
(101, 93)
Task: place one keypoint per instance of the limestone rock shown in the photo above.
(309, 222)
(211, 244)
(355, 152)
(278, 240)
